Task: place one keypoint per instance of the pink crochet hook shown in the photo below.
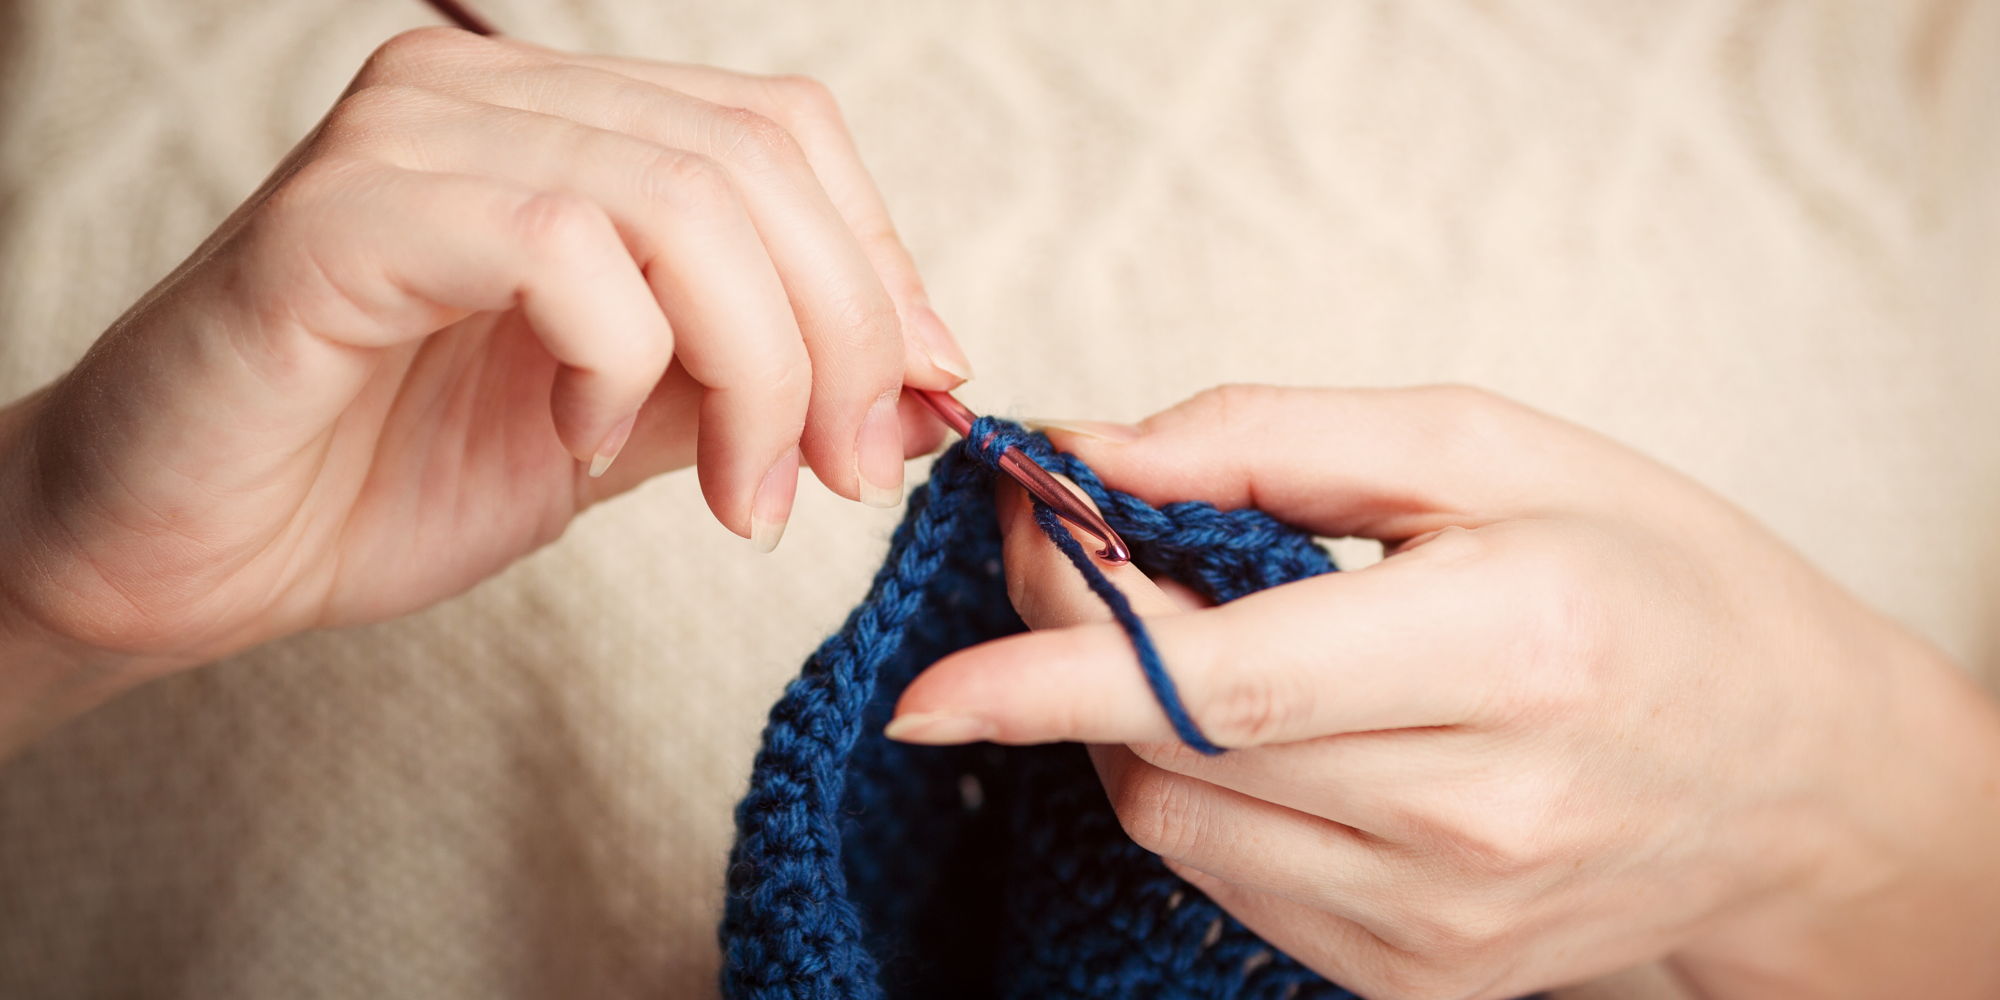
(1033, 478)
(463, 16)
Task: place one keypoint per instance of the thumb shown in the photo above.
(1390, 464)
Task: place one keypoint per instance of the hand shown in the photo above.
(1583, 715)
(490, 271)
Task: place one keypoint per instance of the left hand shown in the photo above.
(1583, 716)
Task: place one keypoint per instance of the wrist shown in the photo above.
(44, 683)
(1901, 894)
(44, 678)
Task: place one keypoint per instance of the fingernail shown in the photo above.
(937, 728)
(614, 443)
(938, 344)
(1098, 429)
(878, 454)
(772, 506)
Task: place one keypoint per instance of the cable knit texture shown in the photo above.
(865, 868)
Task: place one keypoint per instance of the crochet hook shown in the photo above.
(1032, 477)
(463, 16)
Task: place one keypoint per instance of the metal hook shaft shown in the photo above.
(1035, 479)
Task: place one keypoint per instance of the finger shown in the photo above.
(464, 244)
(923, 432)
(1420, 640)
(1249, 842)
(690, 234)
(853, 438)
(1390, 464)
(807, 109)
(1356, 775)
(1342, 950)
(1360, 780)
(661, 440)
(1046, 590)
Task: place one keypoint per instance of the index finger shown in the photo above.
(933, 358)
(1417, 640)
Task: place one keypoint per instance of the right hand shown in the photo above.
(1583, 715)
(389, 373)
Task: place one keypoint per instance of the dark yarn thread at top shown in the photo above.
(990, 438)
(867, 869)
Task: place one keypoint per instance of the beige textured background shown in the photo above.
(1758, 239)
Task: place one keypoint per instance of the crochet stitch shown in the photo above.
(868, 869)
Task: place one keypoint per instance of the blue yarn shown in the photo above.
(1157, 677)
(868, 869)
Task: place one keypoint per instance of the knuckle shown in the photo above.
(803, 97)
(295, 242)
(1477, 421)
(1158, 813)
(1249, 709)
(1455, 832)
(1461, 394)
(366, 112)
(864, 323)
(300, 200)
(876, 233)
(688, 182)
(556, 221)
(1512, 835)
(1235, 402)
(1465, 402)
(400, 56)
(649, 351)
(786, 379)
(756, 142)
(791, 378)
(1460, 933)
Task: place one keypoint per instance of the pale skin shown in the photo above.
(498, 284)
(1586, 715)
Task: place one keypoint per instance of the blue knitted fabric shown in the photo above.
(866, 869)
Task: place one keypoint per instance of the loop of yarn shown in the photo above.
(867, 869)
(990, 438)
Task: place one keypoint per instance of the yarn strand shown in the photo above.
(1157, 677)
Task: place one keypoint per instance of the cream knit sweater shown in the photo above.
(1755, 239)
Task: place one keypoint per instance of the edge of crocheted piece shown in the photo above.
(789, 919)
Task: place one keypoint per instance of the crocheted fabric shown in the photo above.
(865, 868)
